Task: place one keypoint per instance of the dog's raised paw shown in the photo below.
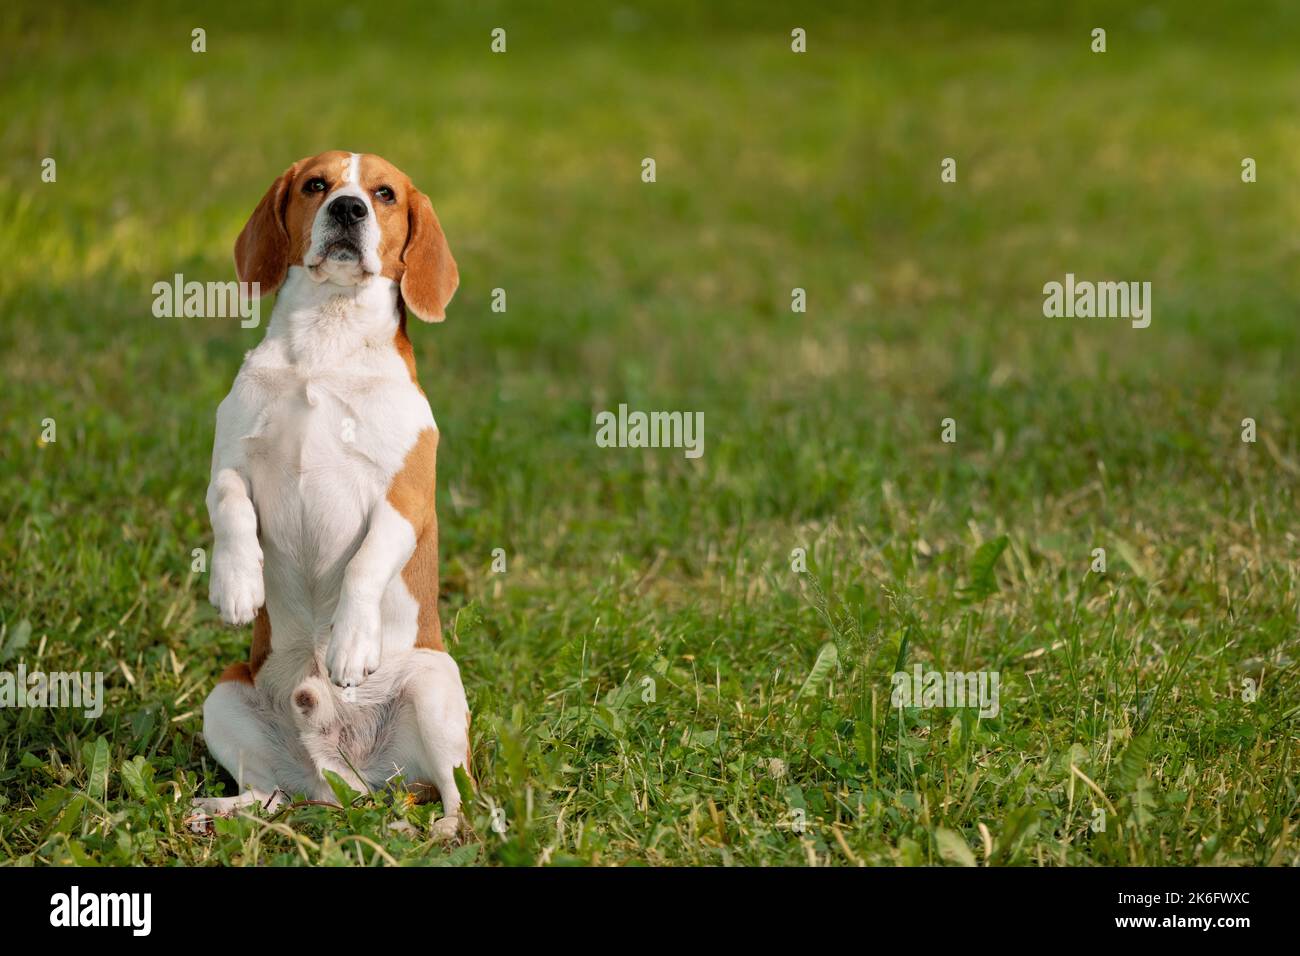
(355, 646)
(237, 589)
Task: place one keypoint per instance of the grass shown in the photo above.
(1120, 692)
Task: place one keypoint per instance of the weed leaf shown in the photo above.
(953, 847)
(827, 658)
(983, 577)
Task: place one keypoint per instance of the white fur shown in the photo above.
(320, 418)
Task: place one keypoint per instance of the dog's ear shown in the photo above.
(262, 249)
(431, 276)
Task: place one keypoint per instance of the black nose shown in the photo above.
(346, 210)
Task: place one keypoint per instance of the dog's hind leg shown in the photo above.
(237, 736)
(433, 736)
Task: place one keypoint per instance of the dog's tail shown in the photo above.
(313, 704)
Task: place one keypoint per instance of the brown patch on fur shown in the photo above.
(421, 577)
(246, 671)
(237, 672)
(261, 641)
(412, 495)
(406, 350)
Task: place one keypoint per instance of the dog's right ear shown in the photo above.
(262, 249)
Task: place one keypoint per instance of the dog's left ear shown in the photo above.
(431, 276)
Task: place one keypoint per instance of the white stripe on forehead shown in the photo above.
(352, 174)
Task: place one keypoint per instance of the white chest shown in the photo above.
(316, 467)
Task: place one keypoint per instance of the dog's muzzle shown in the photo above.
(346, 214)
(344, 250)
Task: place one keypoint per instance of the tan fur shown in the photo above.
(412, 495)
(430, 277)
(239, 672)
(262, 249)
(261, 649)
(245, 672)
(393, 218)
(407, 351)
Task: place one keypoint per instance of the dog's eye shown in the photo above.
(314, 185)
(386, 194)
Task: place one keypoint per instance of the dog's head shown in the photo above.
(346, 217)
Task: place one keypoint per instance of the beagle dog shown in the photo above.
(322, 501)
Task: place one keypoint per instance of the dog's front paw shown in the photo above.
(355, 643)
(236, 589)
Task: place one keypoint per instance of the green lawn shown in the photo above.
(775, 170)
